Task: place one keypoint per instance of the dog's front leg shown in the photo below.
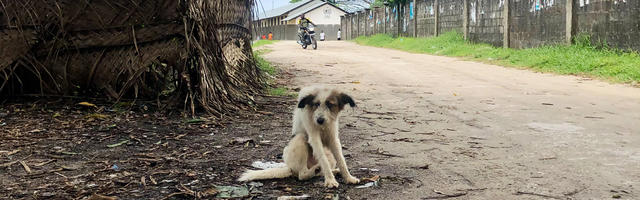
(318, 152)
(336, 149)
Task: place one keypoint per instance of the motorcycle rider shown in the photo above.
(303, 24)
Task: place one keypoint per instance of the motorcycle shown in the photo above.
(309, 38)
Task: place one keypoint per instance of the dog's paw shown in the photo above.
(352, 180)
(332, 183)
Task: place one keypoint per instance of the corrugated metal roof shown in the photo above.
(352, 6)
(280, 10)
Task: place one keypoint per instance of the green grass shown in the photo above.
(279, 91)
(259, 43)
(271, 70)
(579, 59)
(263, 64)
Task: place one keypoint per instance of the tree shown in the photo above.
(378, 3)
(389, 2)
(148, 54)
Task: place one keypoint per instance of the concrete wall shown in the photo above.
(407, 29)
(388, 20)
(362, 23)
(485, 21)
(353, 26)
(379, 20)
(280, 32)
(536, 23)
(370, 22)
(330, 31)
(614, 22)
(343, 25)
(290, 32)
(530, 23)
(450, 16)
(393, 21)
(425, 14)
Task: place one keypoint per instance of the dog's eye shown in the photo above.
(329, 105)
(316, 104)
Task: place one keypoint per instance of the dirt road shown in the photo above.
(445, 127)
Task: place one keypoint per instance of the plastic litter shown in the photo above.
(267, 165)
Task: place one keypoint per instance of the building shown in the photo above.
(282, 21)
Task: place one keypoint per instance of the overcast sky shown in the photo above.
(271, 4)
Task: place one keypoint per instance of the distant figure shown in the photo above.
(339, 33)
(264, 37)
(303, 24)
(322, 35)
(270, 36)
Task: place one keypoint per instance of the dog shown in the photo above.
(315, 143)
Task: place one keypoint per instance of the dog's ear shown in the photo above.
(306, 101)
(344, 99)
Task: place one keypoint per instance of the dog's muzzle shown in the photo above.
(320, 120)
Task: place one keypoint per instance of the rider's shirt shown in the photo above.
(304, 22)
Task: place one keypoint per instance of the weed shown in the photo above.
(582, 58)
(270, 70)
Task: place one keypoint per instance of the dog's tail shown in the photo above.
(271, 173)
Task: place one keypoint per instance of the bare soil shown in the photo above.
(464, 130)
(431, 127)
(133, 151)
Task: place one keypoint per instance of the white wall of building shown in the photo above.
(325, 14)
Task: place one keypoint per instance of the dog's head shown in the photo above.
(323, 104)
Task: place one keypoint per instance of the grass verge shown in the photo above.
(264, 65)
(270, 70)
(581, 59)
(260, 43)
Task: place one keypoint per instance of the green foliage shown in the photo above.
(260, 43)
(263, 64)
(296, 1)
(582, 40)
(378, 3)
(389, 2)
(582, 58)
(270, 70)
(280, 91)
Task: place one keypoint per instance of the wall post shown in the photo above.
(358, 22)
(569, 22)
(465, 19)
(505, 24)
(375, 20)
(366, 21)
(351, 23)
(347, 29)
(437, 13)
(415, 19)
(384, 20)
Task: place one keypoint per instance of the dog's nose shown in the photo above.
(320, 120)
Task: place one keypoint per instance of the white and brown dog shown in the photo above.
(315, 143)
